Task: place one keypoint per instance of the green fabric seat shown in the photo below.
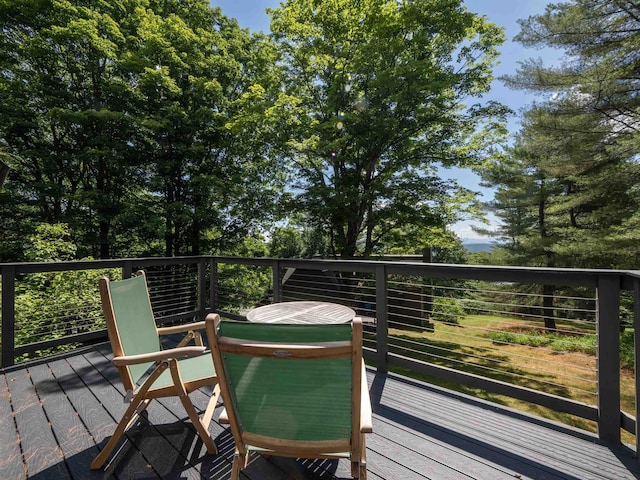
(191, 370)
(293, 389)
(146, 370)
(293, 393)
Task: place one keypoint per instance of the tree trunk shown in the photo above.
(195, 236)
(104, 240)
(168, 238)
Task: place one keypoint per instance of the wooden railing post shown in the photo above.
(201, 298)
(213, 285)
(277, 281)
(382, 327)
(8, 316)
(127, 269)
(608, 360)
(636, 357)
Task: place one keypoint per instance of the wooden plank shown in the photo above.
(435, 455)
(402, 436)
(88, 408)
(129, 461)
(71, 434)
(470, 437)
(536, 446)
(11, 461)
(390, 469)
(300, 468)
(42, 455)
(481, 420)
(475, 417)
(218, 467)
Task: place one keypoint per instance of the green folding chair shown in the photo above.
(147, 371)
(293, 390)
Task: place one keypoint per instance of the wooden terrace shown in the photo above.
(57, 414)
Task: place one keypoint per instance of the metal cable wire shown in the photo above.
(489, 350)
(502, 372)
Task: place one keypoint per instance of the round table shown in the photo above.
(301, 312)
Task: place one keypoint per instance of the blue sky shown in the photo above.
(505, 13)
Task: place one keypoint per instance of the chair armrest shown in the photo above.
(366, 421)
(180, 328)
(158, 356)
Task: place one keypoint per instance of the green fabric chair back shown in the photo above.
(134, 320)
(293, 399)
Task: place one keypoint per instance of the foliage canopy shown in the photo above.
(567, 192)
(378, 95)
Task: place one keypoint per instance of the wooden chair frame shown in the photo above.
(139, 397)
(361, 416)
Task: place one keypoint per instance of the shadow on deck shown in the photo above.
(55, 416)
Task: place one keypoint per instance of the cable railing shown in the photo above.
(492, 330)
(173, 289)
(552, 337)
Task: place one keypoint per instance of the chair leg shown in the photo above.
(201, 428)
(138, 404)
(363, 457)
(240, 461)
(129, 417)
(359, 466)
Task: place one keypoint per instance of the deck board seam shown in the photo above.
(15, 426)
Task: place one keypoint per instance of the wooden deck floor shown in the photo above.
(55, 416)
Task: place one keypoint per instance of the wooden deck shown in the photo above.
(56, 415)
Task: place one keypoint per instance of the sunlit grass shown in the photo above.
(558, 363)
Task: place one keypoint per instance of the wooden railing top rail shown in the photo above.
(39, 267)
(541, 275)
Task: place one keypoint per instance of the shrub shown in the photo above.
(448, 310)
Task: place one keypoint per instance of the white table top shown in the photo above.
(301, 312)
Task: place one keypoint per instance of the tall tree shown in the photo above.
(73, 153)
(120, 113)
(193, 66)
(378, 95)
(590, 127)
(601, 40)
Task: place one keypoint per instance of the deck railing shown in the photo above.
(472, 325)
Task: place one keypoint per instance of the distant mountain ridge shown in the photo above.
(478, 244)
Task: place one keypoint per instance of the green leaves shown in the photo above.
(112, 104)
(161, 127)
(566, 194)
(378, 99)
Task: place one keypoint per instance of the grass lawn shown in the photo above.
(498, 347)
